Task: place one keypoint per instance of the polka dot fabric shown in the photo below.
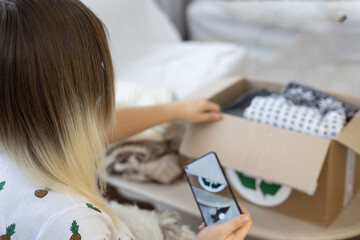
(275, 110)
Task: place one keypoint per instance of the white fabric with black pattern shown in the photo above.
(304, 95)
(275, 110)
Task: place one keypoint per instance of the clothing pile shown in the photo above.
(146, 161)
(151, 155)
(298, 108)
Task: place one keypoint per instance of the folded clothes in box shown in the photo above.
(288, 167)
(298, 108)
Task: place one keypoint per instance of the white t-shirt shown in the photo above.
(29, 212)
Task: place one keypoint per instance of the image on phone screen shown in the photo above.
(211, 190)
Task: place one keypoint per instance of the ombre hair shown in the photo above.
(56, 94)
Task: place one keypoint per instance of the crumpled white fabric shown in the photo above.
(183, 67)
(147, 48)
(152, 225)
(130, 94)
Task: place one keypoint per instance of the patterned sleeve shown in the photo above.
(78, 223)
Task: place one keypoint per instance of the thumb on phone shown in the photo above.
(235, 223)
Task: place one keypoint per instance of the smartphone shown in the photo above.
(212, 192)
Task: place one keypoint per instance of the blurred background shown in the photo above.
(166, 49)
(313, 42)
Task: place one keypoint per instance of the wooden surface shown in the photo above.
(267, 224)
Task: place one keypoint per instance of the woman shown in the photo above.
(57, 102)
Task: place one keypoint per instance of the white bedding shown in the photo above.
(183, 67)
(134, 26)
(147, 48)
(134, 22)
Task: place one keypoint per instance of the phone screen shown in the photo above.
(211, 190)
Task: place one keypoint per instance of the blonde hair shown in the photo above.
(56, 94)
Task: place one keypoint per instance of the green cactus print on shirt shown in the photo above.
(10, 230)
(75, 230)
(93, 207)
(2, 184)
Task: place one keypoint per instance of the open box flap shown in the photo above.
(350, 135)
(275, 154)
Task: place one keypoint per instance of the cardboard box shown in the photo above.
(327, 168)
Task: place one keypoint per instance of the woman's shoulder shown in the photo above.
(47, 212)
(19, 194)
(32, 212)
(82, 221)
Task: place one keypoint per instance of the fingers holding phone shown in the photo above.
(235, 229)
(241, 232)
(224, 218)
(211, 190)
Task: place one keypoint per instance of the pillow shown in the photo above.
(184, 67)
(133, 23)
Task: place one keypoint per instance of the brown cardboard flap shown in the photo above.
(350, 135)
(275, 154)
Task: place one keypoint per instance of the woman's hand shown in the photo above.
(132, 120)
(197, 110)
(235, 229)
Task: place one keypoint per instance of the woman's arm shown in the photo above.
(131, 120)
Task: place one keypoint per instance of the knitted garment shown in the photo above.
(145, 161)
(306, 96)
(277, 111)
(238, 106)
